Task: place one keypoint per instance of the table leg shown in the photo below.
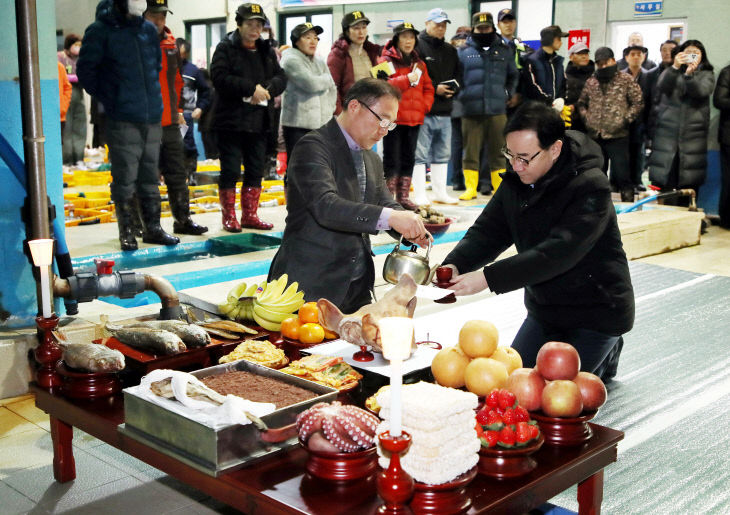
(64, 466)
(590, 494)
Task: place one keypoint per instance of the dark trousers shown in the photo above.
(723, 208)
(616, 150)
(636, 161)
(399, 151)
(599, 352)
(134, 152)
(74, 132)
(237, 147)
(210, 144)
(189, 138)
(291, 136)
(172, 159)
(456, 172)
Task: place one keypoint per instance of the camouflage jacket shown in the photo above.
(608, 109)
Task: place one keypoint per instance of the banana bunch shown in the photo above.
(267, 303)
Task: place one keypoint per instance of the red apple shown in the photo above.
(527, 385)
(558, 360)
(592, 390)
(561, 398)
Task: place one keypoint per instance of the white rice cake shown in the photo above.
(430, 401)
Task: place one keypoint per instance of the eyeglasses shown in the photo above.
(524, 162)
(384, 124)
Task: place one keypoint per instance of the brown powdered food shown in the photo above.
(258, 388)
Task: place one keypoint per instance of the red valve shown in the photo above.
(104, 266)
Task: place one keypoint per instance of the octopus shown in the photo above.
(337, 428)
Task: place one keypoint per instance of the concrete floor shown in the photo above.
(109, 481)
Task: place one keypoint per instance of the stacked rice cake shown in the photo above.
(441, 423)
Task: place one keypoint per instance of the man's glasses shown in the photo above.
(524, 162)
(384, 124)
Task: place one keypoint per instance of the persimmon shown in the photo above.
(311, 333)
(290, 328)
(309, 313)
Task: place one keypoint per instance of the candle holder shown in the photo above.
(48, 353)
(363, 354)
(395, 486)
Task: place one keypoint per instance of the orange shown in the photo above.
(311, 333)
(290, 328)
(330, 335)
(309, 313)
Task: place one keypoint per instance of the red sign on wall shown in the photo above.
(579, 35)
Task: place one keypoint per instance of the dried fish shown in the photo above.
(92, 357)
(200, 392)
(191, 335)
(222, 334)
(228, 325)
(156, 340)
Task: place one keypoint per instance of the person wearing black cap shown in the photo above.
(544, 75)
(412, 79)
(119, 64)
(172, 150)
(636, 40)
(310, 96)
(352, 55)
(637, 130)
(507, 24)
(490, 80)
(247, 76)
(610, 101)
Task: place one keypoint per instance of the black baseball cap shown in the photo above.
(301, 29)
(249, 11)
(399, 29)
(506, 13)
(642, 49)
(482, 18)
(548, 34)
(352, 18)
(603, 54)
(158, 6)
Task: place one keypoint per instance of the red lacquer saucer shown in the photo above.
(77, 384)
(447, 498)
(502, 463)
(564, 431)
(341, 466)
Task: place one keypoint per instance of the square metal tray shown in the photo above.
(215, 451)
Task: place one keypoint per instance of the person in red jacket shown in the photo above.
(172, 150)
(64, 89)
(352, 55)
(411, 78)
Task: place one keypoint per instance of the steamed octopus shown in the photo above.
(337, 428)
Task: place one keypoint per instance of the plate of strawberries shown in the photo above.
(508, 436)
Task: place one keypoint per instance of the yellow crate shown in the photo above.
(88, 217)
(268, 184)
(88, 178)
(208, 199)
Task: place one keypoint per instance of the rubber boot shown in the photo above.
(419, 185)
(471, 179)
(153, 231)
(438, 184)
(227, 199)
(249, 206)
(496, 179)
(180, 207)
(392, 183)
(125, 211)
(403, 189)
(136, 217)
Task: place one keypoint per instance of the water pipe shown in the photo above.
(689, 192)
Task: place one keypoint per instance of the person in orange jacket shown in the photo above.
(411, 78)
(64, 89)
(172, 150)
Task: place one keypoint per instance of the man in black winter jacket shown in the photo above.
(247, 78)
(555, 206)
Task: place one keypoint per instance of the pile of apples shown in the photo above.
(476, 362)
(556, 386)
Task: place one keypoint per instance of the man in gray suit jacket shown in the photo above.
(337, 196)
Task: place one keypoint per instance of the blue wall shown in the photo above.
(18, 305)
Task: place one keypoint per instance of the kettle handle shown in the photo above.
(414, 247)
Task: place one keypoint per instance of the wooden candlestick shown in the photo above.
(48, 353)
(395, 486)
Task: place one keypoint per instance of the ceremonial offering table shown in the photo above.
(281, 484)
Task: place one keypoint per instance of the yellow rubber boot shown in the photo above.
(471, 180)
(496, 180)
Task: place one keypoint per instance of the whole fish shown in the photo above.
(228, 326)
(191, 335)
(92, 357)
(157, 340)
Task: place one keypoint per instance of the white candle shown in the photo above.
(396, 336)
(45, 293)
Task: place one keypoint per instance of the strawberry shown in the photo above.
(507, 437)
(522, 414)
(523, 432)
(480, 430)
(494, 418)
(482, 417)
(510, 416)
(492, 400)
(506, 399)
(492, 437)
(534, 431)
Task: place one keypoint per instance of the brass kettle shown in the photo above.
(401, 261)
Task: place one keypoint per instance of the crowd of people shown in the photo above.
(455, 99)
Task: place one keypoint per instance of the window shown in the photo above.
(203, 36)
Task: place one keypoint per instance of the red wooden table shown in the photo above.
(281, 485)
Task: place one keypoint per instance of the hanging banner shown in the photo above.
(645, 9)
(579, 36)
